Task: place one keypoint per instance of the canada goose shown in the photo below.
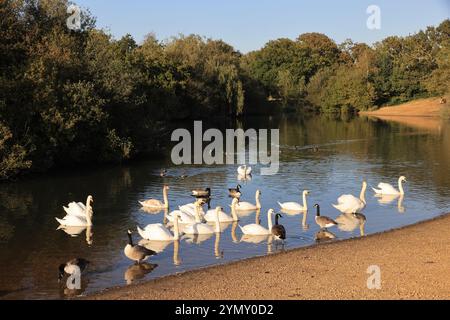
(136, 252)
(157, 231)
(244, 205)
(256, 229)
(210, 215)
(235, 192)
(388, 189)
(278, 230)
(201, 193)
(203, 228)
(294, 206)
(322, 221)
(348, 203)
(153, 203)
(72, 266)
(244, 170)
(163, 173)
(78, 215)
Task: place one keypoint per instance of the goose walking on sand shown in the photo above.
(322, 221)
(78, 215)
(388, 189)
(245, 206)
(154, 203)
(348, 203)
(294, 206)
(136, 252)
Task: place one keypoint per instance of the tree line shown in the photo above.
(73, 97)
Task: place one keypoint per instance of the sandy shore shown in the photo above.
(414, 263)
(424, 114)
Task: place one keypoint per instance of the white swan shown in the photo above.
(203, 228)
(258, 230)
(244, 170)
(244, 205)
(190, 208)
(294, 206)
(386, 188)
(348, 203)
(184, 217)
(78, 208)
(74, 218)
(158, 231)
(210, 215)
(153, 203)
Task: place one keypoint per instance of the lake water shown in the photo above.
(348, 151)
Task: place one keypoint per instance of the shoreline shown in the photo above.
(333, 270)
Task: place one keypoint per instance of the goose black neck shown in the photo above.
(318, 211)
(276, 219)
(130, 239)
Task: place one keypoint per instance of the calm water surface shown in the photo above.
(31, 247)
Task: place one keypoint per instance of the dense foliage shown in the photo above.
(70, 97)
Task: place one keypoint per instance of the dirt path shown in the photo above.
(414, 263)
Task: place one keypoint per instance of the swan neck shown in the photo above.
(165, 198)
(258, 203)
(305, 205)
(197, 214)
(362, 195)
(269, 220)
(400, 186)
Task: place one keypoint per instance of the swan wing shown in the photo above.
(348, 203)
(152, 203)
(198, 228)
(71, 220)
(254, 229)
(291, 206)
(387, 188)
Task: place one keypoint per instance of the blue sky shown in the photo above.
(249, 24)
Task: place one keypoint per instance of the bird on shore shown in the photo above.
(322, 221)
(72, 266)
(135, 252)
(278, 230)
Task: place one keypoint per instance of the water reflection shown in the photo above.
(389, 198)
(348, 150)
(138, 271)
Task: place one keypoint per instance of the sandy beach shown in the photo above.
(414, 263)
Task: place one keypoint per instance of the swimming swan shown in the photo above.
(244, 170)
(258, 230)
(210, 215)
(348, 203)
(294, 206)
(244, 205)
(153, 203)
(386, 188)
(75, 218)
(159, 232)
(203, 228)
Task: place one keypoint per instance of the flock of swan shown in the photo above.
(193, 219)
